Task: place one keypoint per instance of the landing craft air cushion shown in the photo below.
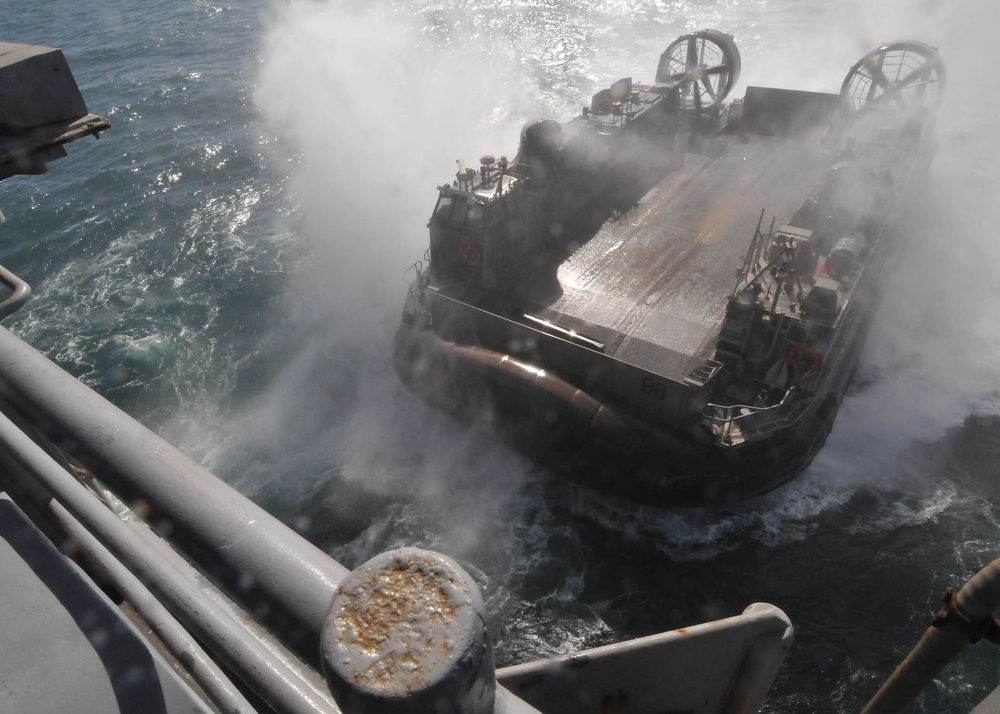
(666, 297)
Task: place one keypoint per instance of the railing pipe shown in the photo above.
(267, 567)
(974, 605)
(260, 665)
(181, 645)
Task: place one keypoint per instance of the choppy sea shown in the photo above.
(227, 264)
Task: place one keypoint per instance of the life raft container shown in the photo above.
(803, 358)
(472, 257)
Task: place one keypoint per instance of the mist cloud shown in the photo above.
(373, 104)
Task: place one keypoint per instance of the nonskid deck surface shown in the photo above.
(652, 286)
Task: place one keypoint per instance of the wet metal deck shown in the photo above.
(652, 286)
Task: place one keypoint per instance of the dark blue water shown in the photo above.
(228, 262)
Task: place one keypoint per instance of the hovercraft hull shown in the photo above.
(665, 298)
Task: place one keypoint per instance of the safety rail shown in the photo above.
(724, 419)
(417, 269)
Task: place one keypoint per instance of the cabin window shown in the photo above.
(443, 209)
(460, 212)
(474, 215)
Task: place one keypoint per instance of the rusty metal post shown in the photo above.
(406, 633)
(973, 607)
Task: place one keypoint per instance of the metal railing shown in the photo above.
(752, 421)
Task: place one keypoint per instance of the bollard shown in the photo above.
(406, 633)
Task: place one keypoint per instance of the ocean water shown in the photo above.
(228, 264)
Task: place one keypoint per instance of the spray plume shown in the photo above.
(373, 104)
